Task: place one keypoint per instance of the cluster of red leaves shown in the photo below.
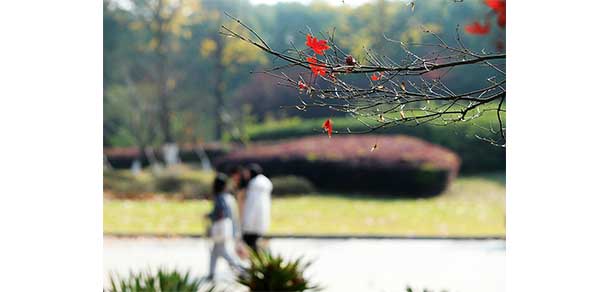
(328, 127)
(499, 8)
(478, 28)
(316, 69)
(318, 46)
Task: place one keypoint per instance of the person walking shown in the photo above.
(256, 217)
(224, 229)
(239, 179)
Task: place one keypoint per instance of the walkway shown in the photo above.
(340, 264)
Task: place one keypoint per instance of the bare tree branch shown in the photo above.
(383, 92)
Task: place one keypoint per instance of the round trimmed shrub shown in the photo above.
(399, 165)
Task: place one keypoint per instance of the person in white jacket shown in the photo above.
(257, 207)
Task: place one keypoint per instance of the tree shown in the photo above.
(165, 22)
(227, 56)
(381, 91)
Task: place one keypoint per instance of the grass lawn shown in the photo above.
(473, 205)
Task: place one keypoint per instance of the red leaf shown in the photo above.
(477, 28)
(499, 7)
(376, 76)
(318, 46)
(496, 5)
(328, 127)
(316, 69)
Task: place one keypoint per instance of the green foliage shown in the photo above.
(477, 155)
(162, 281)
(292, 185)
(268, 272)
(168, 183)
(124, 183)
(189, 187)
(184, 182)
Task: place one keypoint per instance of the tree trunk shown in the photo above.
(162, 61)
(164, 108)
(219, 88)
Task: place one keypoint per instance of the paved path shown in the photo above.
(340, 265)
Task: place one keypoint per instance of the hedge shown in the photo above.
(123, 157)
(185, 183)
(476, 155)
(400, 165)
(179, 183)
(291, 185)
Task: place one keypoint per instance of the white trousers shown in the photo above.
(226, 250)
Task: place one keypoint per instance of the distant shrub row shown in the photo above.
(476, 155)
(181, 182)
(185, 183)
(122, 158)
(400, 165)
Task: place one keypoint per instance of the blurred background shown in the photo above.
(180, 101)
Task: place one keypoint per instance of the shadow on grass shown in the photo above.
(362, 196)
(498, 178)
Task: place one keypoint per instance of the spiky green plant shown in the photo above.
(409, 289)
(268, 272)
(162, 281)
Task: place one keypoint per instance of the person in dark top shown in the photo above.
(224, 229)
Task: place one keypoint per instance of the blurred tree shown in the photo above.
(165, 21)
(228, 57)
